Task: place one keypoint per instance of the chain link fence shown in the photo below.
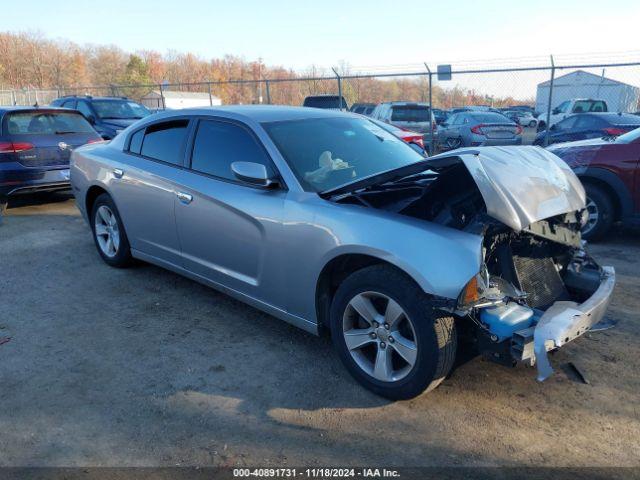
(544, 86)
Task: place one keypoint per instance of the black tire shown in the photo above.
(604, 206)
(542, 126)
(435, 331)
(532, 123)
(122, 257)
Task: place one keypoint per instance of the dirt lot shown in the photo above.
(143, 367)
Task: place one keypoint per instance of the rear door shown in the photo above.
(228, 229)
(144, 187)
(588, 126)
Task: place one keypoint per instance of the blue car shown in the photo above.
(108, 115)
(35, 147)
(583, 126)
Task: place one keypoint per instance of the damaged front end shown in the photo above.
(535, 293)
(537, 288)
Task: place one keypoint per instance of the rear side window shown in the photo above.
(218, 144)
(135, 144)
(330, 101)
(46, 123)
(165, 141)
(584, 106)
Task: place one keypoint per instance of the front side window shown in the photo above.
(84, 109)
(165, 141)
(562, 108)
(218, 144)
(46, 123)
(327, 153)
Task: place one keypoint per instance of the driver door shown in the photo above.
(229, 231)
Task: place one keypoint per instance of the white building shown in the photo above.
(175, 100)
(620, 97)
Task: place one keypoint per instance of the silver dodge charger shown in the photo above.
(329, 222)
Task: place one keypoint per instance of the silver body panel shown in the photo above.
(268, 247)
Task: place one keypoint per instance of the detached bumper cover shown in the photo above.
(565, 321)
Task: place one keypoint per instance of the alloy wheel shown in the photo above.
(593, 216)
(380, 336)
(107, 232)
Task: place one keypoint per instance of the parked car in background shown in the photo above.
(472, 129)
(569, 107)
(589, 125)
(521, 117)
(363, 108)
(440, 115)
(609, 169)
(331, 102)
(414, 139)
(329, 222)
(521, 108)
(108, 115)
(410, 115)
(35, 146)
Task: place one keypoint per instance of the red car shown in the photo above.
(610, 171)
(412, 138)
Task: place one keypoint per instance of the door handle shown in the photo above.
(118, 172)
(184, 197)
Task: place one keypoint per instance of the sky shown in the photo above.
(297, 34)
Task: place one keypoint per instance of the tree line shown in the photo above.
(32, 61)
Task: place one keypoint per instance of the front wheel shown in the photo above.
(600, 213)
(389, 336)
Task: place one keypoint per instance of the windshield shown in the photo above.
(629, 137)
(47, 123)
(121, 109)
(410, 113)
(327, 153)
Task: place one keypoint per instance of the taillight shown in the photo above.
(419, 141)
(477, 129)
(518, 129)
(15, 147)
(95, 140)
(614, 132)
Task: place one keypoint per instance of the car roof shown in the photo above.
(258, 113)
(27, 108)
(610, 116)
(91, 97)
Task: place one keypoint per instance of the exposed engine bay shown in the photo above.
(527, 273)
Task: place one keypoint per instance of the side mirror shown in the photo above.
(91, 119)
(553, 127)
(555, 111)
(254, 174)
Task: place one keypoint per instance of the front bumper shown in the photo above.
(565, 321)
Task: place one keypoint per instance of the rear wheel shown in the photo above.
(453, 143)
(600, 213)
(532, 123)
(108, 233)
(389, 336)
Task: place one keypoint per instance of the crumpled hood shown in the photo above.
(520, 185)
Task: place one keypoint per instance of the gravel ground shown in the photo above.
(141, 367)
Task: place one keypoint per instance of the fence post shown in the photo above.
(162, 97)
(13, 96)
(210, 97)
(431, 139)
(339, 87)
(268, 91)
(553, 73)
